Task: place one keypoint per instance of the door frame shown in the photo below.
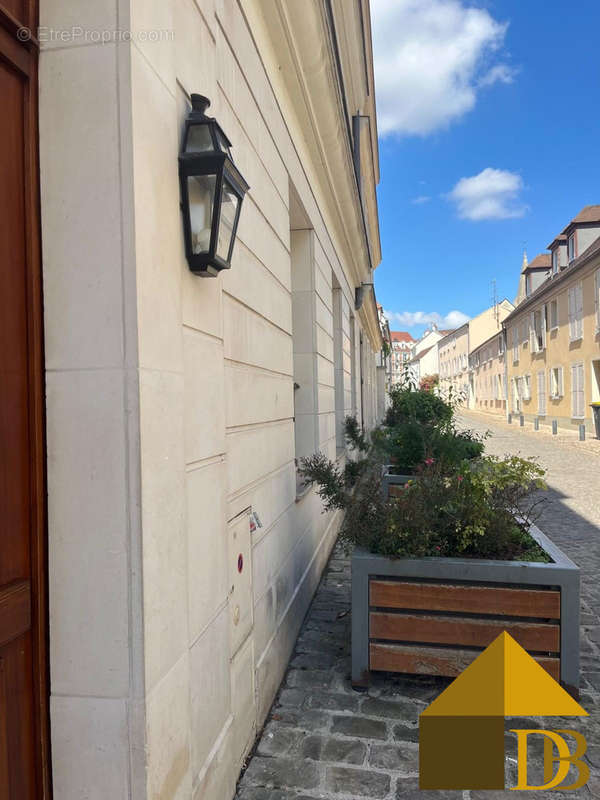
(23, 57)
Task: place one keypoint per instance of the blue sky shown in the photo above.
(489, 137)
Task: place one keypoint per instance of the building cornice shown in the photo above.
(303, 42)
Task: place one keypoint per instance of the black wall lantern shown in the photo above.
(212, 191)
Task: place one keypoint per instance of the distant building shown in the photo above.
(456, 347)
(487, 376)
(384, 363)
(401, 349)
(424, 354)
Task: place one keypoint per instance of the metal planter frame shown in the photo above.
(562, 573)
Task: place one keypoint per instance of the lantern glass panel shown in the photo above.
(222, 142)
(199, 139)
(229, 209)
(201, 193)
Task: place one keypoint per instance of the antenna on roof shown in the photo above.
(494, 299)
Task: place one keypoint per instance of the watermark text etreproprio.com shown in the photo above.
(80, 35)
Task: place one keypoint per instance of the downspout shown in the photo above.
(505, 339)
(349, 131)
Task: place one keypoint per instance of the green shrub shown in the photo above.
(354, 435)
(417, 405)
(406, 445)
(481, 509)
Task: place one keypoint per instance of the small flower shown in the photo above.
(437, 547)
(460, 479)
(430, 461)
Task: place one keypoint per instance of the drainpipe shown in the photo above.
(505, 340)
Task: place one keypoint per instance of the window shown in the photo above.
(501, 345)
(577, 391)
(553, 314)
(541, 388)
(515, 338)
(538, 330)
(576, 312)
(526, 387)
(500, 388)
(555, 261)
(517, 393)
(305, 410)
(556, 383)
(341, 360)
(597, 298)
(571, 247)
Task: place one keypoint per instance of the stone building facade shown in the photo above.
(402, 344)
(183, 549)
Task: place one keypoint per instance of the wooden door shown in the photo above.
(24, 770)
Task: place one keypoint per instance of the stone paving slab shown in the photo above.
(323, 741)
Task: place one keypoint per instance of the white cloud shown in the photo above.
(420, 200)
(492, 194)
(410, 319)
(501, 73)
(431, 58)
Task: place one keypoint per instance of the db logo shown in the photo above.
(564, 759)
(461, 734)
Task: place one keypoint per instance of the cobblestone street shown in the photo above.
(323, 740)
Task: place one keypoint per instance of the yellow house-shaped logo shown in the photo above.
(461, 734)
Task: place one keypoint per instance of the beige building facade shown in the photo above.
(183, 550)
(487, 376)
(424, 359)
(453, 354)
(553, 336)
(455, 349)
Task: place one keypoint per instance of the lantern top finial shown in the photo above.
(200, 103)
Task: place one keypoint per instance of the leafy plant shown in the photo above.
(331, 481)
(354, 435)
(429, 382)
(417, 405)
(483, 510)
(407, 444)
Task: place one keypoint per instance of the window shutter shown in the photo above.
(571, 314)
(542, 392)
(532, 337)
(544, 325)
(574, 390)
(561, 390)
(551, 386)
(580, 311)
(597, 299)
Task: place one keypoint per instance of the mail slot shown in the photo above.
(240, 579)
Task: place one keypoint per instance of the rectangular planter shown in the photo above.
(390, 482)
(433, 616)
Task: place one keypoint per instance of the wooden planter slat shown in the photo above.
(424, 660)
(462, 631)
(538, 603)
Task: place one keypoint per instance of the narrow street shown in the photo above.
(323, 740)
